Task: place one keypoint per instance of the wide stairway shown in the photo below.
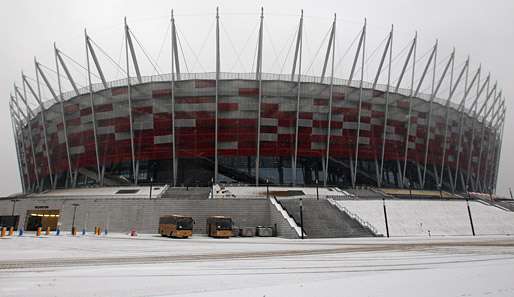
(323, 220)
(190, 193)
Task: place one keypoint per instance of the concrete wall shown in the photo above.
(120, 215)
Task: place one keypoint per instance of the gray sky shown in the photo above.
(482, 29)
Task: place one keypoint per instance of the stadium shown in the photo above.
(203, 139)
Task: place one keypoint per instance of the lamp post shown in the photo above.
(469, 212)
(151, 186)
(440, 188)
(267, 188)
(301, 216)
(409, 185)
(510, 192)
(212, 185)
(75, 205)
(385, 216)
(317, 192)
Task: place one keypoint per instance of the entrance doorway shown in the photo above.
(42, 218)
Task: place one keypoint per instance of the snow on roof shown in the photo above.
(105, 192)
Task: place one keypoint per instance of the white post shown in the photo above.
(363, 58)
(174, 59)
(389, 47)
(92, 103)
(216, 128)
(299, 45)
(329, 132)
(259, 78)
(63, 118)
(43, 120)
(128, 47)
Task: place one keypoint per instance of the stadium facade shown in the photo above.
(256, 128)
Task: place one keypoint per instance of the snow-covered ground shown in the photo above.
(222, 191)
(440, 217)
(147, 265)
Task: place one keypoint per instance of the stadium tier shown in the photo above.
(258, 128)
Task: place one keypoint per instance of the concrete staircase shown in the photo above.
(187, 193)
(323, 220)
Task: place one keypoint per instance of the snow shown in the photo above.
(440, 217)
(400, 267)
(104, 192)
(281, 192)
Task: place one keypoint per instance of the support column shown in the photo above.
(465, 69)
(217, 96)
(482, 135)
(128, 46)
(460, 110)
(492, 141)
(299, 44)
(31, 143)
(475, 116)
(499, 151)
(330, 99)
(43, 119)
(361, 90)
(61, 103)
(174, 65)
(93, 113)
(258, 77)
(388, 47)
(23, 170)
(409, 114)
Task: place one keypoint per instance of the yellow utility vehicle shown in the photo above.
(176, 226)
(219, 227)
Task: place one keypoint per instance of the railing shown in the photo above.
(338, 82)
(285, 214)
(354, 216)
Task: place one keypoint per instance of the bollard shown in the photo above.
(38, 231)
(73, 231)
(57, 232)
(20, 232)
(3, 232)
(11, 231)
(47, 231)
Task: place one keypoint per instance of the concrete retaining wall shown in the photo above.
(120, 215)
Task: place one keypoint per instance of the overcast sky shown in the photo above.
(482, 29)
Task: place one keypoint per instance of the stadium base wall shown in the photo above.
(121, 215)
